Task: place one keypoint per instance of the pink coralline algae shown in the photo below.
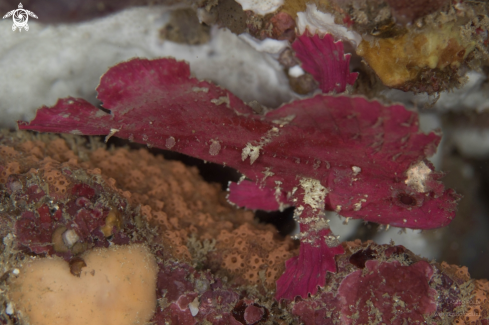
(392, 287)
(386, 302)
(323, 58)
(35, 228)
(347, 154)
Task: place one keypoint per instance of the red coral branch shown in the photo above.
(325, 60)
(367, 160)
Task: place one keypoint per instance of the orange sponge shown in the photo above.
(117, 287)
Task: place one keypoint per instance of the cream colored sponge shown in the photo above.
(118, 286)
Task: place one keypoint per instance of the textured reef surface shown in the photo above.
(302, 106)
(62, 197)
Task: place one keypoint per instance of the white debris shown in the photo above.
(296, 71)
(329, 219)
(214, 148)
(15, 271)
(194, 307)
(242, 178)
(70, 237)
(170, 142)
(317, 163)
(356, 170)
(284, 120)
(268, 173)
(10, 309)
(15, 186)
(261, 7)
(268, 45)
(76, 132)
(315, 193)
(250, 151)
(417, 175)
(253, 151)
(111, 133)
(221, 100)
(357, 206)
(200, 89)
(278, 194)
(323, 23)
(332, 241)
(298, 211)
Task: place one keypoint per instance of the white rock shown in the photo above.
(194, 307)
(70, 237)
(296, 71)
(10, 309)
(261, 7)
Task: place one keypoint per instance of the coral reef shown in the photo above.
(297, 97)
(106, 203)
(369, 277)
(122, 197)
(420, 46)
(416, 46)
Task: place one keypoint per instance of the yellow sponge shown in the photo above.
(118, 286)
